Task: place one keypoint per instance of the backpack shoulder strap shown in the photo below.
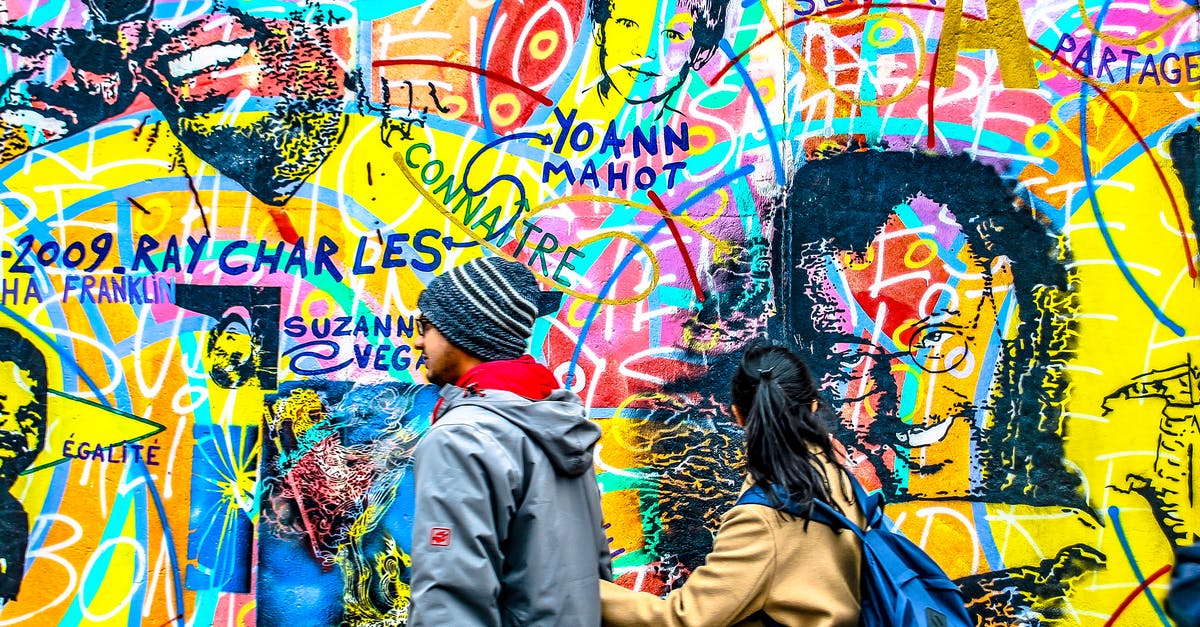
(754, 495)
(871, 505)
(822, 513)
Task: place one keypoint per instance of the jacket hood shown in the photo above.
(556, 422)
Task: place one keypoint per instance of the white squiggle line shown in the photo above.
(1076, 226)
(880, 244)
(1083, 369)
(929, 513)
(1047, 15)
(1010, 156)
(107, 351)
(1011, 525)
(979, 116)
(642, 317)
(169, 478)
(618, 471)
(420, 15)
(107, 227)
(1179, 340)
(1068, 188)
(417, 36)
(1156, 326)
(473, 29)
(205, 57)
(1173, 229)
(19, 227)
(140, 562)
(650, 352)
(50, 553)
(67, 187)
(1087, 316)
(137, 353)
(1083, 416)
(181, 18)
(1079, 473)
(195, 403)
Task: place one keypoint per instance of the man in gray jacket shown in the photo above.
(507, 528)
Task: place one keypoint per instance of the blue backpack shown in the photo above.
(901, 586)
(1183, 600)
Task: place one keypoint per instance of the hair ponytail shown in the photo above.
(769, 398)
(776, 395)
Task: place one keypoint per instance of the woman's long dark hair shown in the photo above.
(774, 392)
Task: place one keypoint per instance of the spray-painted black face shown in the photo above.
(117, 11)
(22, 405)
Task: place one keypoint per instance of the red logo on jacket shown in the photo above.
(439, 536)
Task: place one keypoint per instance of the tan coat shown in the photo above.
(761, 561)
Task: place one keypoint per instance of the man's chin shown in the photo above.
(13, 446)
(662, 87)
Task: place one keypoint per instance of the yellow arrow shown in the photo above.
(70, 418)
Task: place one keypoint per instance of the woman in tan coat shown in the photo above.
(766, 567)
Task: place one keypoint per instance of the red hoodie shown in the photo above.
(522, 376)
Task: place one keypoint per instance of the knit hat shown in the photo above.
(487, 307)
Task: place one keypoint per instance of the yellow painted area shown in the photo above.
(624, 443)
(622, 510)
(1003, 31)
(79, 421)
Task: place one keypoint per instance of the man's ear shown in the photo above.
(598, 35)
(703, 58)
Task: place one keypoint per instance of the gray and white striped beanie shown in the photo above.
(487, 307)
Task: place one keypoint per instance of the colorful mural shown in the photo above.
(978, 221)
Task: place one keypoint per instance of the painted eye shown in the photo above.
(674, 35)
(626, 22)
(849, 358)
(934, 338)
(938, 349)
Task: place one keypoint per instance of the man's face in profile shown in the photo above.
(911, 329)
(21, 422)
(647, 46)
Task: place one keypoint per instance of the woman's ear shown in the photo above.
(815, 405)
(737, 416)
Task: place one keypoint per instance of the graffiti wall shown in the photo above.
(976, 220)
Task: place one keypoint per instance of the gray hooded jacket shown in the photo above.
(507, 529)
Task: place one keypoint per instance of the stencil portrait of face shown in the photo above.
(918, 315)
(20, 428)
(648, 49)
(894, 274)
(22, 405)
(22, 435)
(234, 353)
(199, 75)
